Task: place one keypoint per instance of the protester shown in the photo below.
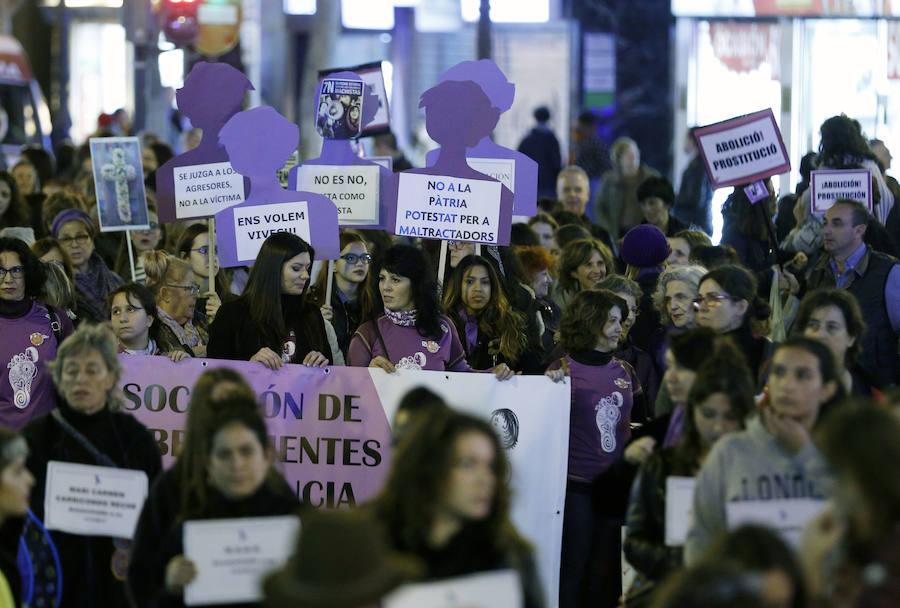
(239, 482)
(681, 245)
(655, 197)
(14, 210)
(603, 392)
(141, 241)
(719, 400)
(474, 300)
(727, 302)
(644, 251)
(350, 272)
(693, 206)
(685, 355)
(171, 281)
(537, 264)
(447, 500)
(711, 585)
(134, 321)
(616, 207)
(542, 147)
(833, 317)
(49, 250)
(405, 320)
(16, 482)
(582, 264)
(74, 230)
(673, 299)
(31, 334)
(274, 321)
(545, 227)
(58, 290)
(746, 228)
(803, 383)
(713, 256)
(193, 246)
(88, 428)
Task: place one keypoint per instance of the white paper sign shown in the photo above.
(679, 508)
(743, 149)
(786, 516)
(352, 188)
(497, 589)
(450, 208)
(93, 501)
(501, 169)
(254, 224)
(385, 161)
(204, 190)
(827, 186)
(232, 556)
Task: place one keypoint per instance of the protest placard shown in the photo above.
(826, 186)
(787, 516)
(119, 183)
(742, 149)
(501, 169)
(498, 589)
(354, 189)
(679, 508)
(204, 190)
(373, 76)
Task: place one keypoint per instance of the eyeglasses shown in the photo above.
(17, 272)
(193, 289)
(204, 251)
(79, 239)
(710, 299)
(352, 259)
(153, 226)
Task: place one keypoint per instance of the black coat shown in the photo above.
(85, 560)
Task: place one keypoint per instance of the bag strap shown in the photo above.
(101, 458)
(381, 340)
(565, 365)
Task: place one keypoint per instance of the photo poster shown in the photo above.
(372, 74)
(119, 184)
(340, 105)
(743, 149)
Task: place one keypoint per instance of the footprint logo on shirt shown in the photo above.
(414, 361)
(608, 415)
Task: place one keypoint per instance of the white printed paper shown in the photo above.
(786, 516)
(743, 149)
(93, 501)
(254, 224)
(826, 186)
(232, 556)
(450, 208)
(497, 589)
(352, 188)
(679, 508)
(501, 169)
(204, 190)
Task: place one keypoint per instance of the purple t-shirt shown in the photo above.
(600, 421)
(406, 348)
(27, 345)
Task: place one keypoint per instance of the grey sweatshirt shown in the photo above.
(750, 465)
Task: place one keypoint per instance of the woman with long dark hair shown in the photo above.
(194, 247)
(274, 321)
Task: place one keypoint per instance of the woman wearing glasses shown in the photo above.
(74, 230)
(193, 247)
(274, 321)
(727, 303)
(172, 283)
(141, 242)
(350, 272)
(31, 332)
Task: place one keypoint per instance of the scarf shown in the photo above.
(403, 318)
(150, 350)
(471, 329)
(95, 285)
(186, 334)
(15, 309)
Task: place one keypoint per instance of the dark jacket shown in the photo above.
(541, 146)
(10, 532)
(347, 316)
(160, 530)
(86, 560)
(693, 205)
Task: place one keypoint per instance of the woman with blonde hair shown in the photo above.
(172, 283)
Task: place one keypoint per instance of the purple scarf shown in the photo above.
(95, 284)
(403, 318)
(471, 325)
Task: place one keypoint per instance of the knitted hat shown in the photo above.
(644, 246)
(71, 215)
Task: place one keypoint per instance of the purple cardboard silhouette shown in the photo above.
(501, 92)
(460, 204)
(212, 94)
(258, 141)
(339, 153)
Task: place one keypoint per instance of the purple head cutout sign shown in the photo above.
(258, 141)
(450, 200)
(517, 171)
(361, 190)
(201, 182)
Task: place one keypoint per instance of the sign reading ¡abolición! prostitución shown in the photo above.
(253, 225)
(826, 186)
(449, 208)
(501, 169)
(204, 190)
(743, 149)
(352, 188)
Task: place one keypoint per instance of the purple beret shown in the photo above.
(644, 246)
(71, 215)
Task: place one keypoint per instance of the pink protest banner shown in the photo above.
(330, 433)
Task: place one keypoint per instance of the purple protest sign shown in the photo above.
(756, 191)
(743, 149)
(513, 169)
(330, 433)
(258, 141)
(362, 190)
(459, 203)
(201, 182)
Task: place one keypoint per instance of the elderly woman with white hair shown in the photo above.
(88, 428)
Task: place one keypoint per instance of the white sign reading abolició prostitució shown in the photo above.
(743, 149)
(826, 186)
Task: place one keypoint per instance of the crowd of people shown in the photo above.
(764, 367)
